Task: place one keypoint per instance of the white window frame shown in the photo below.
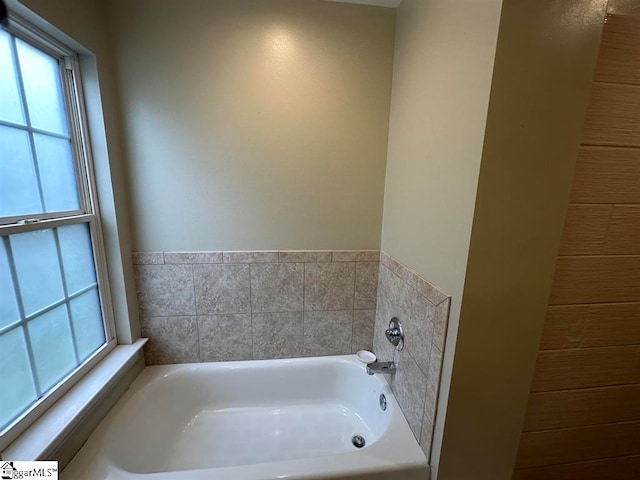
(88, 213)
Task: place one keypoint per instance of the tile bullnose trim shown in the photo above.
(192, 257)
(251, 256)
(305, 289)
(427, 289)
(255, 256)
(304, 256)
(421, 366)
(147, 258)
(355, 255)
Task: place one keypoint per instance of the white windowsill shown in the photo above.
(55, 423)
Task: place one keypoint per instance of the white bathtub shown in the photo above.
(267, 419)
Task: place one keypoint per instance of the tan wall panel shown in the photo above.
(584, 368)
(587, 375)
(612, 324)
(596, 280)
(620, 50)
(625, 468)
(623, 7)
(576, 408)
(576, 444)
(601, 325)
(607, 175)
(563, 326)
(585, 229)
(612, 117)
(623, 237)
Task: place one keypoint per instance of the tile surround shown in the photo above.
(171, 339)
(328, 333)
(192, 257)
(218, 306)
(363, 325)
(165, 290)
(423, 310)
(305, 256)
(366, 285)
(419, 327)
(329, 286)
(222, 288)
(225, 337)
(261, 305)
(147, 258)
(277, 335)
(250, 257)
(277, 287)
(426, 436)
(409, 385)
(356, 255)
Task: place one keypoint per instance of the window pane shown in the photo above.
(87, 323)
(36, 259)
(77, 257)
(52, 346)
(58, 173)
(10, 105)
(18, 391)
(50, 302)
(18, 182)
(8, 305)
(43, 89)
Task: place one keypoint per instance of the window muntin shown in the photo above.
(54, 318)
(41, 176)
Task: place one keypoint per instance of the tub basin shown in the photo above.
(264, 419)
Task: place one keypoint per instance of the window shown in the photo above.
(55, 320)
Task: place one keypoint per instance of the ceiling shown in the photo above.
(379, 3)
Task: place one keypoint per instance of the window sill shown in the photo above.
(56, 423)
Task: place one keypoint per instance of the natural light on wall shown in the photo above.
(280, 45)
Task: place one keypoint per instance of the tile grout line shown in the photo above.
(253, 353)
(195, 308)
(353, 303)
(447, 297)
(351, 309)
(304, 283)
(425, 375)
(199, 347)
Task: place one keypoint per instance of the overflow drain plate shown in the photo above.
(358, 441)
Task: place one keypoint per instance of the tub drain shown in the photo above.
(358, 441)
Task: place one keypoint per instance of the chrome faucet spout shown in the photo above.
(388, 368)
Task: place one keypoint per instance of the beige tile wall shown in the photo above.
(219, 306)
(423, 310)
(222, 306)
(583, 418)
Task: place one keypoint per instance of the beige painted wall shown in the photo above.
(545, 61)
(254, 124)
(480, 213)
(83, 22)
(441, 82)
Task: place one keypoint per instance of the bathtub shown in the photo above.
(264, 419)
